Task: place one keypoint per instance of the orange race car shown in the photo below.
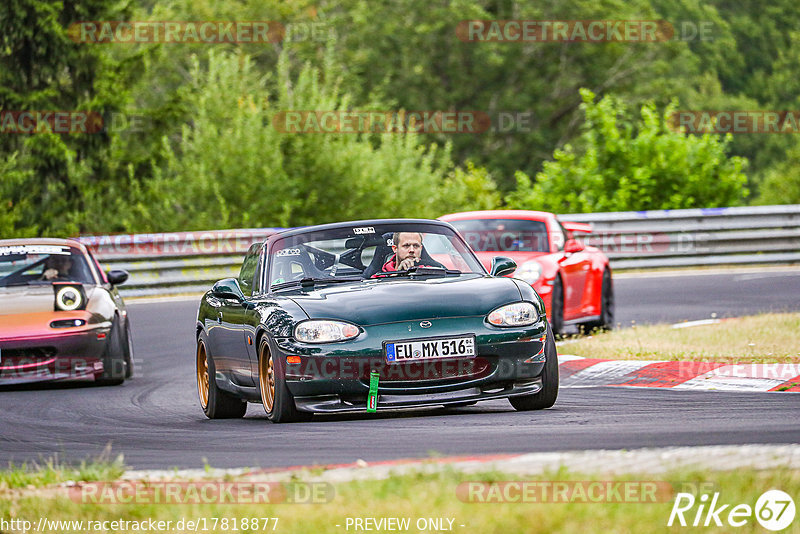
(61, 317)
(573, 279)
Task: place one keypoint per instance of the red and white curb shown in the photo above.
(575, 371)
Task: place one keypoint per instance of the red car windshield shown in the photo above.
(504, 235)
(42, 264)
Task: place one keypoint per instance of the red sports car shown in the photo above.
(573, 279)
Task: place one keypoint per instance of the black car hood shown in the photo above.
(385, 301)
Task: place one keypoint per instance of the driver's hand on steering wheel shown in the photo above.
(407, 263)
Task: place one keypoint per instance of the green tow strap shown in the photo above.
(372, 400)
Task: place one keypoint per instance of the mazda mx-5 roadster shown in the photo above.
(368, 316)
(61, 317)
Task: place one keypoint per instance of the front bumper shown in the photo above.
(67, 355)
(345, 404)
(335, 377)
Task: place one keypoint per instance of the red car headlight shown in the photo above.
(529, 272)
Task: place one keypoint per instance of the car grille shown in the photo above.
(10, 358)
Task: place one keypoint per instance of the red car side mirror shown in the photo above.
(572, 246)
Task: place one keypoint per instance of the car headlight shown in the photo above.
(517, 314)
(68, 298)
(529, 272)
(324, 331)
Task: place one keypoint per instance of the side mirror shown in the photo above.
(227, 289)
(117, 277)
(572, 246)
(502, 266)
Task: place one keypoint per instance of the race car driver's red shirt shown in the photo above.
(390, 265)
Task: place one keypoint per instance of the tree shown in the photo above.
(41, 70)
(409, 55)
(232, 167)
(781, 184)
(625, 165)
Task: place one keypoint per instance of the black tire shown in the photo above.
(606, 321)
(114, 365)
(275, 396)
(557, 306)
(549, 393)
(216, 404)
(128, 350)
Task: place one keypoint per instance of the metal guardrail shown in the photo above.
(696, 237)
(189, 262)
(177, 262)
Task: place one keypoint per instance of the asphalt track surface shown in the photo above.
(154, 419)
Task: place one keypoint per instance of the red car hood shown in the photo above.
(518, 257)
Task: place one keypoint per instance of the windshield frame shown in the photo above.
(375, 226)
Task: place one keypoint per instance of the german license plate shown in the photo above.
(430, 349)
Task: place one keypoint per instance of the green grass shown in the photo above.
(767, 338)
(51, 471)
(420, 495)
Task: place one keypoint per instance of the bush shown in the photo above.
(633, 165)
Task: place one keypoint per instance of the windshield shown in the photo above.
(504, 235)
(42, 264)
(361, 252)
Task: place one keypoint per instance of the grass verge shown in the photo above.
(51, 471)
(420, 498)
(767, 338)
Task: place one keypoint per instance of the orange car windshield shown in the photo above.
(42, 264)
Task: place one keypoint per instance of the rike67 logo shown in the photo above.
(774, 510)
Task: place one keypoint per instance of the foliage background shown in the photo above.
(189, 142)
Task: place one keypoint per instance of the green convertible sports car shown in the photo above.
(367, 316)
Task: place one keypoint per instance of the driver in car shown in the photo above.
(407, 248)
(57, 267)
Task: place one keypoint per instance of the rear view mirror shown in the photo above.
(502, 266)
(117, 277)
(572, 246)
(228, 289)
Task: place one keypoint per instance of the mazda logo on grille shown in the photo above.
(425, 324)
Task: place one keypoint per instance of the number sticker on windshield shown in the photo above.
(288, 252)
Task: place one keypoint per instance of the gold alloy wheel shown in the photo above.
(202, 374)
(266, 378)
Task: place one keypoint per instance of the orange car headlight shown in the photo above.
(69, 297)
